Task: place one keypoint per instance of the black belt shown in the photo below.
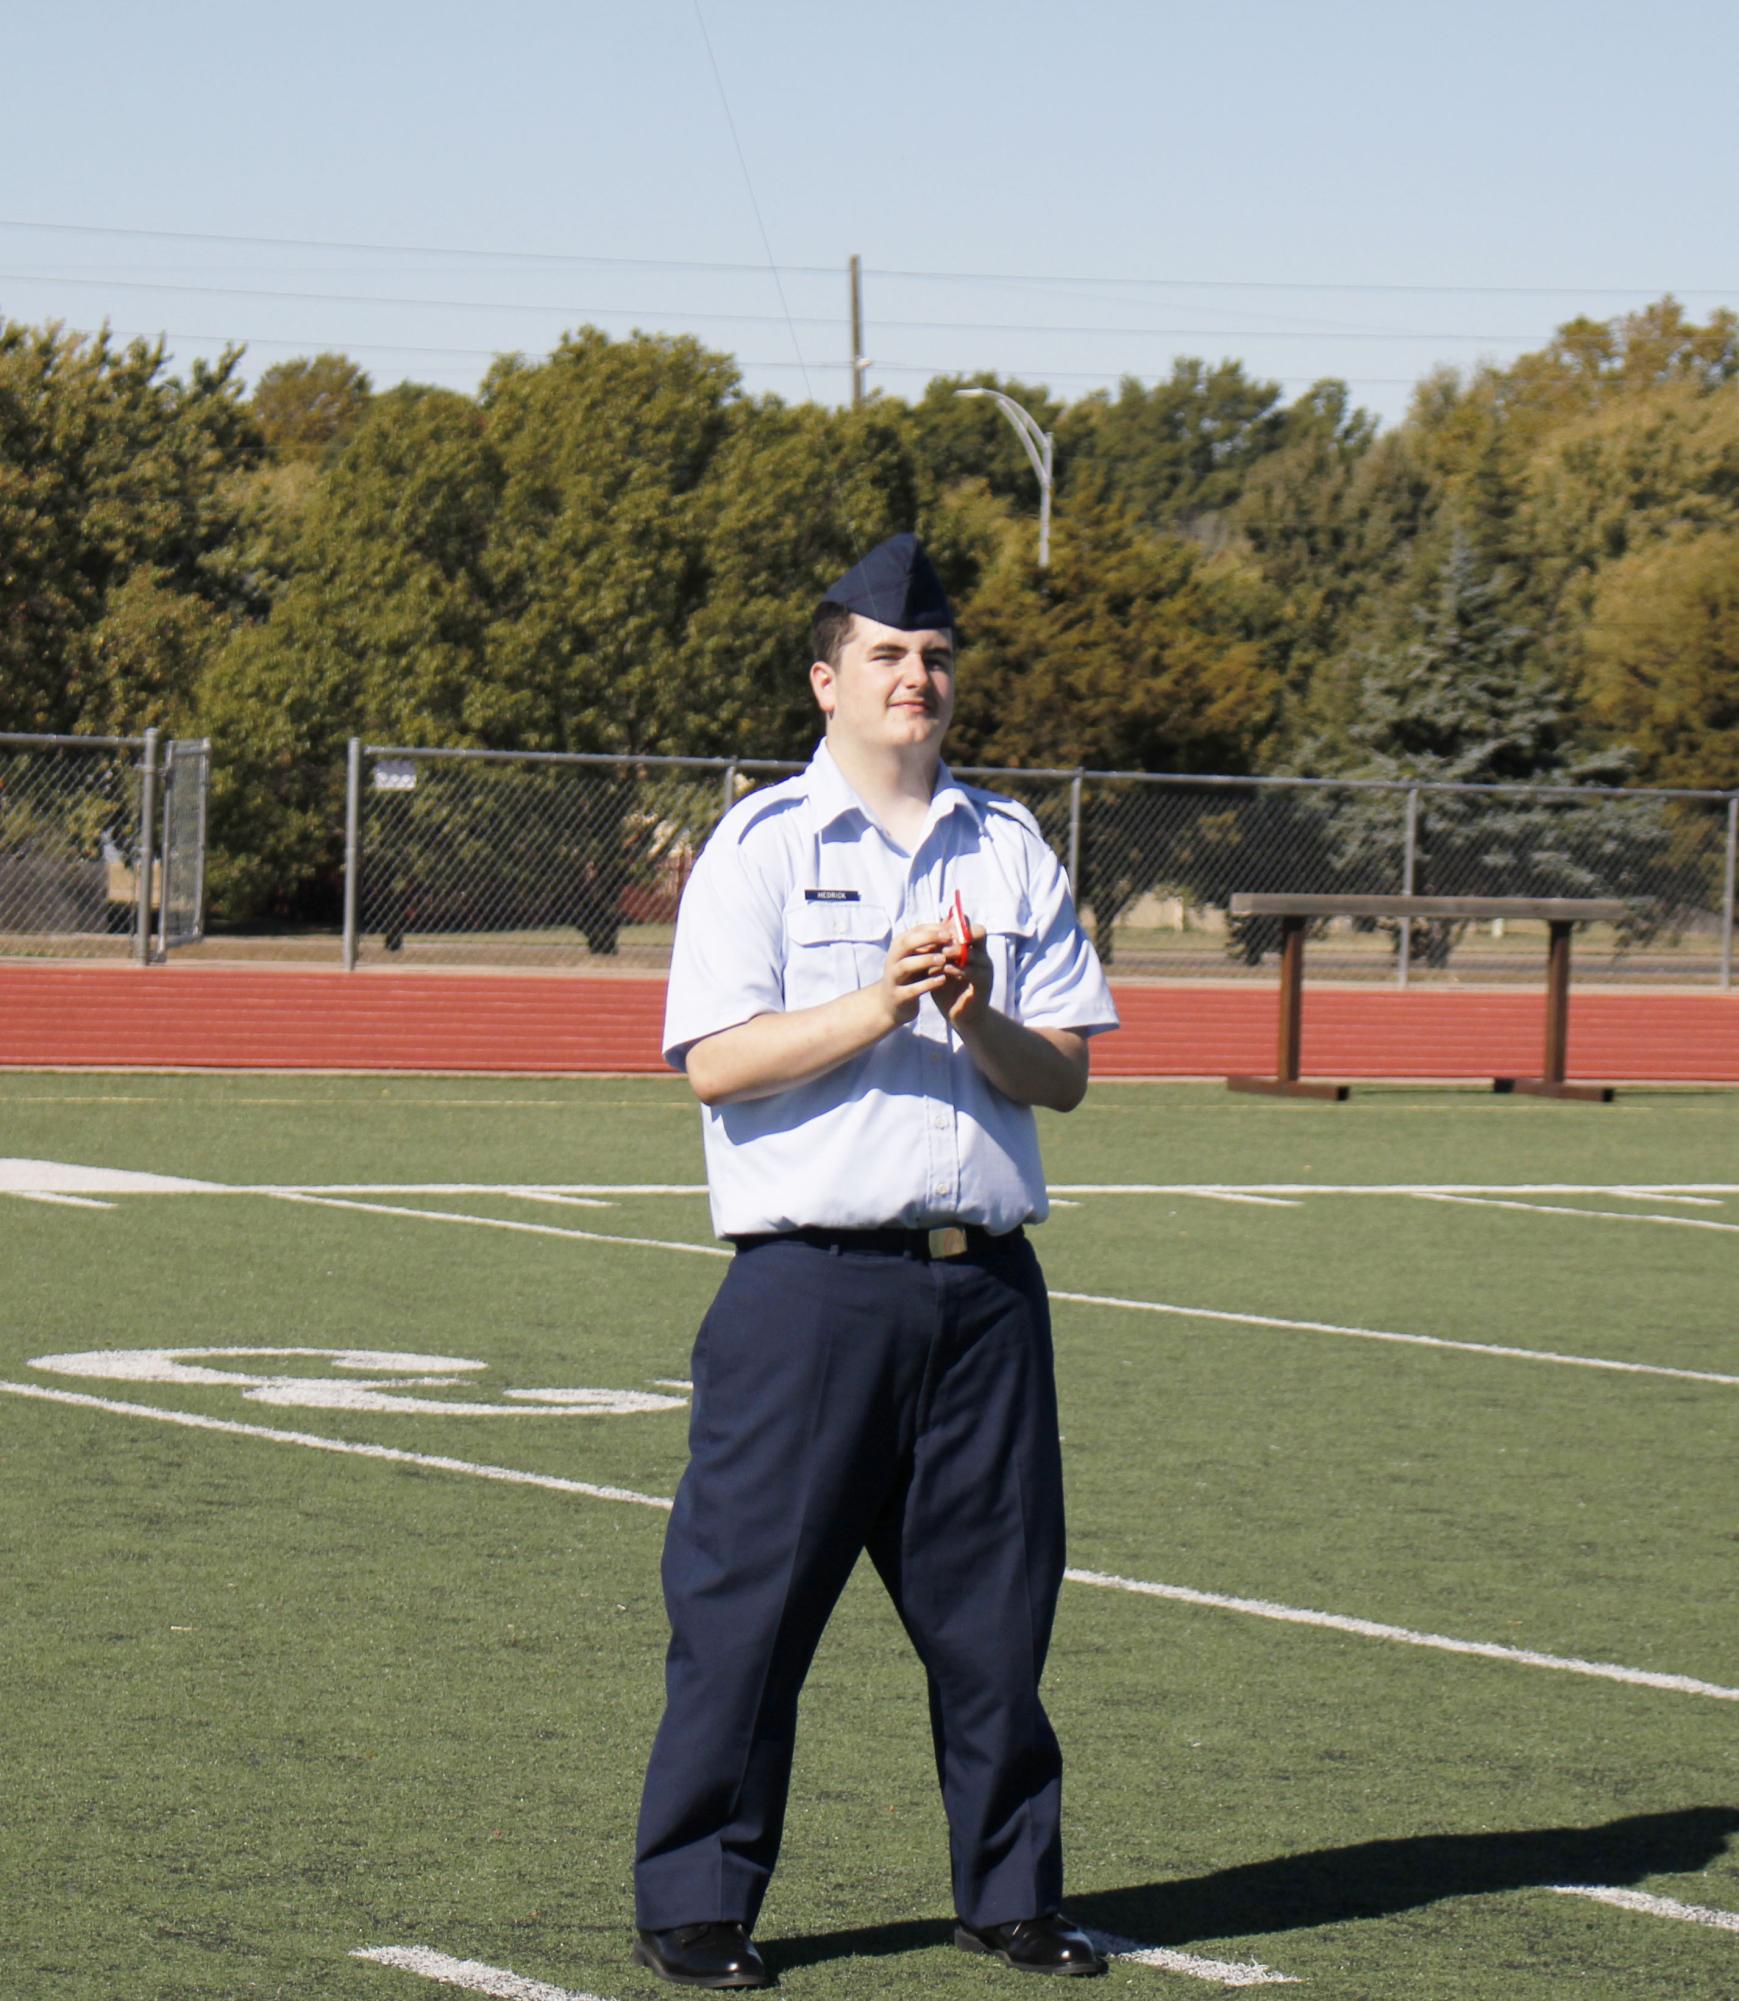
(947, 1240)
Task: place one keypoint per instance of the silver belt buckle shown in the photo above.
(948, 1242)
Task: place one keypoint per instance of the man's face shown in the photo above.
(892, 690)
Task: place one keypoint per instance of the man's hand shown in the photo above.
(964, 993)
(917, 964)
(776, 1052)
(1033, 1066)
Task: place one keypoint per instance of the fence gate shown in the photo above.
(102, 846)
(186, 782)
(69, 846)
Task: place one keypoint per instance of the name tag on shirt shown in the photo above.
(830, 896)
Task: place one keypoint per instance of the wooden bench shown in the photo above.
(1560, 913)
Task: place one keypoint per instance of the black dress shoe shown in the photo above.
(1053, 1944)
(710, 1955)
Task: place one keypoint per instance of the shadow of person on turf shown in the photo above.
(1370, 1879)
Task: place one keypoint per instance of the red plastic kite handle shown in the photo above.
(964, 925)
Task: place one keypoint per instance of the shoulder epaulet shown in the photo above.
(1001, 803)
(750, 812)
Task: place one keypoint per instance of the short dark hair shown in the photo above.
(829, 629)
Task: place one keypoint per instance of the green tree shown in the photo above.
(1177, 455)
(1133, 651)
(1328, 521)
(1661, 658)
(595, 561)
(381, 630)
(1465, 700)
(795, 498)
(307, 408)
(113, 476)
(959, 439)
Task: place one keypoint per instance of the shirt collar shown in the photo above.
(831, 796)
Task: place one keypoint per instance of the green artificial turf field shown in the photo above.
(267, 1706)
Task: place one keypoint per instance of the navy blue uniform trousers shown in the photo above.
(844, 1401)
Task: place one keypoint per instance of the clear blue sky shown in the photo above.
(1355, 189)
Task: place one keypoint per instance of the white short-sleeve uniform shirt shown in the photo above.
(795, 900)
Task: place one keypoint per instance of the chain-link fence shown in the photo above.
(181, 895)
(491, 859)
(1161, 859)
(102, 845)
(497, 859)
(70, 824)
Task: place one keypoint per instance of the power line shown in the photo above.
(1320, 285)
(493, 254)
(304, 346)
(160, 275)
(758, 319)
(407, 249)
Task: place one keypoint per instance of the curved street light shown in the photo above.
(1038, 444)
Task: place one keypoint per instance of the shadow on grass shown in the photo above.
(1371, 1879)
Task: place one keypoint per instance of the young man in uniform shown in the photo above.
(875, 1372)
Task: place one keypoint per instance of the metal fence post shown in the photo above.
(1409, 868)
(165, 851)
(352, 825)
(1075, 836)
(199, 872)
(1728, 893)
(730, 798)
(146, 860)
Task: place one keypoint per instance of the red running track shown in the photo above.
(107, 1017)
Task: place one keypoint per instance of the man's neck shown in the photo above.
(896, 786)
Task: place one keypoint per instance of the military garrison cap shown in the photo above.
(896, 584)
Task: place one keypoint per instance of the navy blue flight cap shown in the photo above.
(896, 584)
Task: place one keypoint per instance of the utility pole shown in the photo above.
(858, 364)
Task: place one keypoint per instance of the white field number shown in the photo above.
(374, 1380)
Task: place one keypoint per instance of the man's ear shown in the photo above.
(821, 679)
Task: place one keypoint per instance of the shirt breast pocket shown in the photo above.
(832, 948)
(1008, 930)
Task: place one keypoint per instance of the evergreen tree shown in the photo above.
(1465, 701)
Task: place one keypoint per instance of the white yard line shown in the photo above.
(559, 1201)
(477, 1978)
(1183, 1594)
(1561, 1209)
(435, 1462)
(1639, 1194)
(1238, 1195)
(1670, 1189)
(497, 1223)
(471, 1974)
(1371, 1629)
(1408, 1340)
(1076, 1298)
(604, 1188)
(1228, 1972)
(1654, 1907)
(60, 1201)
